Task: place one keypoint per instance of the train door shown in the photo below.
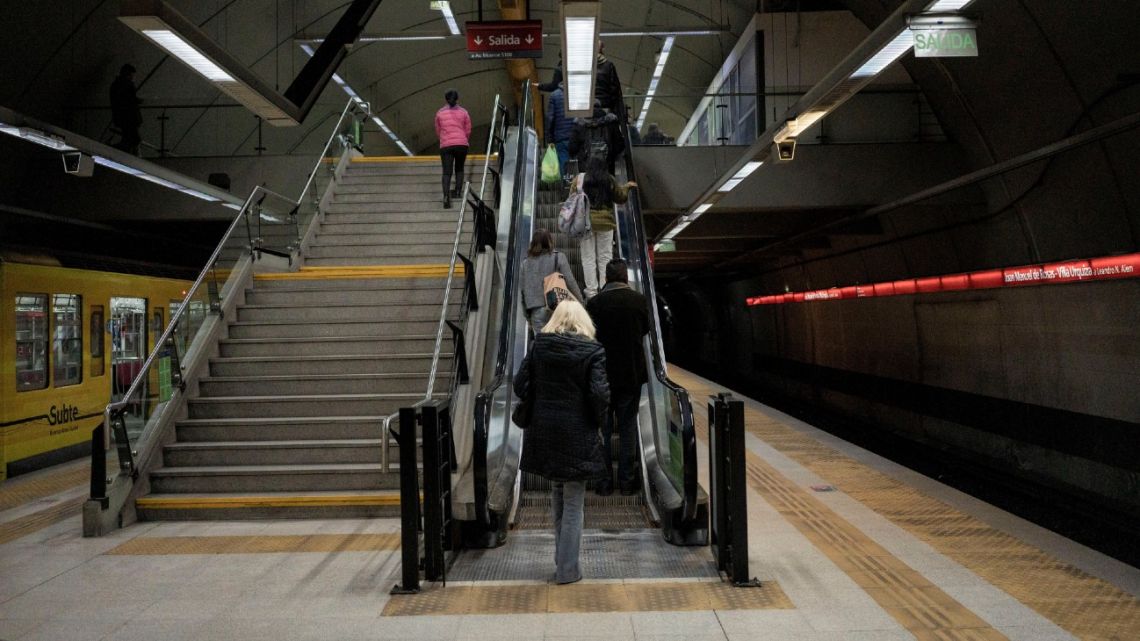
(128, 342)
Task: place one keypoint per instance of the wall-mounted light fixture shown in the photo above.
(183, 40)
(580, 25)
(658, 71)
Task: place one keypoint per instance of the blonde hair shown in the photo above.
(570, 317)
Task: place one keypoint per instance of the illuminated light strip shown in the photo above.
(36, 136)
(1056, 273)
(308, 49)
(449, 17)
(178, 47)
(138, 173)
(658, 71)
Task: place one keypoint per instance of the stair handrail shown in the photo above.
(119, 406)
(638, 243)
(497, 116)
(502, 349)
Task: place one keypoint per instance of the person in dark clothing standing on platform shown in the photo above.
(453, 126)
(607, 87)
(125, 114)
(621, 316)
(564, 376)
(558, 128)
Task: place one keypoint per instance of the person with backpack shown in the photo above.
(563, 380)
(453, 126)
(597, 246)
(541, 261)
(596, 136)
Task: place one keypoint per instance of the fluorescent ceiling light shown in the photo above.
(653, 82)
(886, 56)
(948, 5)
(702, 209)
(689, 32)
(307, 48)
(179, 48)
(36, 136)
(448, 16)
(580, 23)
(747, 169)
(396, 38)
(174, 34)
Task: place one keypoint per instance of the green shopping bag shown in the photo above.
(550, 172)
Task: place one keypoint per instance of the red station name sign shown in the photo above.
(504, 39)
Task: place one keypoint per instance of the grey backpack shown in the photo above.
(574, 217)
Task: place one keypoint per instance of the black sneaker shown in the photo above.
(629, 489)
(604, 488)
(447, 201)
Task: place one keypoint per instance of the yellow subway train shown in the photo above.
(70, 341)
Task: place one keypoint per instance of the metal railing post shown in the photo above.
(409, 505)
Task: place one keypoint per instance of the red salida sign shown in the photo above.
(504, 39)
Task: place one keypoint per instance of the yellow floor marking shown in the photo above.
(169, 545)
(588, 597)
(234, 502)
(20, 490)
(1084, 605)
(29, 523)
(366, 160)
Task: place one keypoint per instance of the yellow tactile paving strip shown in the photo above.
(588, 597)
(170, 545)
(20, 490)
(1084, 605)
(29, 523)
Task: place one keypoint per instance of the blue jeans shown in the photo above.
(568, 500)
(563, 149)
(623, 412)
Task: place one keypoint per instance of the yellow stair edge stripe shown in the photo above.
(393, 271)
(412, 159)
(238, 502)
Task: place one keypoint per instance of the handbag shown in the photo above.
(554, 287)
(524, 411)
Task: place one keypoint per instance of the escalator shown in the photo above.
(671, 506)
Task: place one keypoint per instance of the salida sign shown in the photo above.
(504, 39)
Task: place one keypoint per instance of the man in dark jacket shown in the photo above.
(125, 114)
(558, 127)
(607, 87)
(621, 316)
(589, 135)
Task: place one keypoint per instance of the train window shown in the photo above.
(97, 340)
(31, 342)
(67, 339)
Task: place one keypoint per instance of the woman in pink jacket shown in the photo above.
(453, 126)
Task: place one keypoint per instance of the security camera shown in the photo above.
(786, 149)
(78, 163)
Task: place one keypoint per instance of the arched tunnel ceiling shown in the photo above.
(1046, 70)
(72, 51)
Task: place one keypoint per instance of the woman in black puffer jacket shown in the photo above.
(566, 372)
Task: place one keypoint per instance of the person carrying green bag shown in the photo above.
(558, 128)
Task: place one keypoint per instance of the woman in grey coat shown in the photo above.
(541, 261)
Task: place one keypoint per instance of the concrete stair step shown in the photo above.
(321, 365)
(344, 346)
(380, 195)
(269, 505)
(422, 168)
(386, 229)
(300, 405)
(375, 260)
(274, 478)
(437, 252)
(303, 452)
(335, 238)
(351, 182)
(334, 283)
(358, 213)
(428, 203)
(391, 311)
(279, 384)
(292, 329)
(278, 429)
(347, 294)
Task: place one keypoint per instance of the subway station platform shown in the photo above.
(846, 545)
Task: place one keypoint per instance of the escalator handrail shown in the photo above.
(510, 279)
(657, 349)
